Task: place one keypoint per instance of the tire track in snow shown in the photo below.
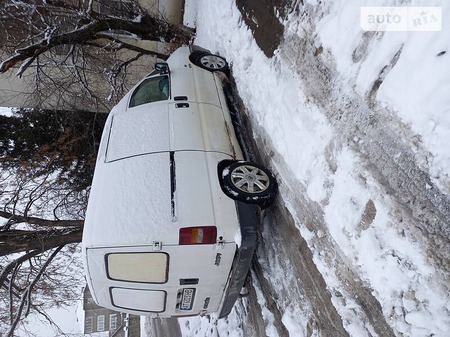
(353, 292)
(301, 283)
(391, 151)
(280, 237)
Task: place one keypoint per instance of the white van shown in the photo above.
(170, 228)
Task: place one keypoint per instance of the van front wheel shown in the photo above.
(249, 182)
(212, 62)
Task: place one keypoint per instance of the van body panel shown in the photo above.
(131, 132)
(183, 120)
(182, 83)
(198, 126)
(146, 199)
(200, 201)
(207, 86)
(192, 195)
(154, 211)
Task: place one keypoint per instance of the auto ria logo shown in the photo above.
(400, 19)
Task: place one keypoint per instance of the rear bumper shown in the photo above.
(249, 218)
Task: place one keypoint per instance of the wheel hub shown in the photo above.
(213, 62)
(250, 179)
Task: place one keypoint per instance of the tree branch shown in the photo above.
(14, 264)
(26, 296)
(149, 28)
(123, 45)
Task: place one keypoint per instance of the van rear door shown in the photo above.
(197, 277)
(175, 280)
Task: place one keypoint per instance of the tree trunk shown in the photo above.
(16, 241)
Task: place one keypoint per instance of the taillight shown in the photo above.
(198, 235)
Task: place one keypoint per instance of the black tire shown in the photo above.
(211, 62)
(250, 183)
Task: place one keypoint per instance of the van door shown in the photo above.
(170, 280)
(182, 85)
(194, 84)
(198, 275)
(199, 126)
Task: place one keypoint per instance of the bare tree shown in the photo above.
(77, 46)
(42, 211)
(38, 264)
(68, 49)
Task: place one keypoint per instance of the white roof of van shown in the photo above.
(130, 202)
(142, 130)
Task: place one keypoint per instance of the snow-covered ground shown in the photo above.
(383, 110)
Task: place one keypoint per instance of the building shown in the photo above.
(105, 322)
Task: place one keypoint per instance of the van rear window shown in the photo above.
(138, 299)
(138, 267)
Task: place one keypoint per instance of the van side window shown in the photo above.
(152, 89)
(138, 267)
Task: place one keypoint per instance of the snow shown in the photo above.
(421, 97)
(416, 88)
(395, 267)
(267, 315)
(5, 111)
(413, 296)
(65, 318)
(107, 201)
(144, 126)
(291, 323)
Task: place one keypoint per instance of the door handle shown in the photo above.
(182, 105)
(188, 281)
(180, 98)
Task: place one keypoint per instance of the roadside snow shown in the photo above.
(395, 267)
(415, 302)
(416, 88)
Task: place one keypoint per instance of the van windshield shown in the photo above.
(152, 89)
(138, 267)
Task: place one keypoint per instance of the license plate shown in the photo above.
(187, 300)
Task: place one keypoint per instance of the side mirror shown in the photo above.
(162, 67)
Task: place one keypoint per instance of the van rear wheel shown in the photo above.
(250, 183)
